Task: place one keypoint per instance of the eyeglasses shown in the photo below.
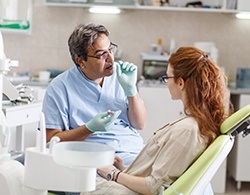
(165, 78)
(103, 55)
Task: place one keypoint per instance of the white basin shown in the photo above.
(83, 154)
(70, 167)
(43, 173)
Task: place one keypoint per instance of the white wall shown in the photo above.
(133, 31)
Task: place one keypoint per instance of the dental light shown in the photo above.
(104, 10)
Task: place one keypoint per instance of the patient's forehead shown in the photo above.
(169, 69)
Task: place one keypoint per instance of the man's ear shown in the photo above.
(80, 62)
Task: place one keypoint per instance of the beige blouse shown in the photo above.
(164, 158)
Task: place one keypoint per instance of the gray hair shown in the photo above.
(82, 38)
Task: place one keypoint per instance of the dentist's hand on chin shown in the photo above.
(102, 120)
(127, 76)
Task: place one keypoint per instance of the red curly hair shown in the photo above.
(207, 95)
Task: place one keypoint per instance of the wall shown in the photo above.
(133, 31)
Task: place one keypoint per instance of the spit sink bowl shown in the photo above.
(83, 154)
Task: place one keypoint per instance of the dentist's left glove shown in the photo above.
(101, 121)
(127, 76)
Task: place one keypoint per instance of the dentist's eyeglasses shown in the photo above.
(103, 55)
(165, 78)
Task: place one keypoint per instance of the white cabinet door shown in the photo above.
(161, 109)
(239, 157)
(15, 15)
(244, 100)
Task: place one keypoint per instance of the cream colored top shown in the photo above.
(164, 158)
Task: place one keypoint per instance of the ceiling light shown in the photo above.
(243, 15)
(105, 10)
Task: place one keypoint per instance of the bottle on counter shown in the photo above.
(156, 48)
(159, 46)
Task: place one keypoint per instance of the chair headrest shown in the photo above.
(237, 122)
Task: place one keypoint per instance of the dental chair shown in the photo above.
(198, 176)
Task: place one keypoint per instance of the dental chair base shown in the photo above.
(42, 173)
(11, 177)
(65, 166)
(51, 169)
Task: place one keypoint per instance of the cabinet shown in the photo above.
(218, 182)
(239, 157)
(19, 115)
(15, 16)
(161, 109)
(87, 3)
(23, 119)
(134, 4)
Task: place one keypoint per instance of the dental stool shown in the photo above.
(198, 176)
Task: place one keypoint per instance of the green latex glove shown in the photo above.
(127, 76)
(101, 121)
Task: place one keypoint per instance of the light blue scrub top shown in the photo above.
(71, 100)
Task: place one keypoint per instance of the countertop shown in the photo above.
(36, 83)
(28, 81)
(158, 83)
(239, 91)
(8, 105)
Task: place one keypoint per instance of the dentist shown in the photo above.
(96, 100)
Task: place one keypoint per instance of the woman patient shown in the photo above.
(201, 86)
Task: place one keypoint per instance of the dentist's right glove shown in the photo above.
(101, 121)
(127, 76)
